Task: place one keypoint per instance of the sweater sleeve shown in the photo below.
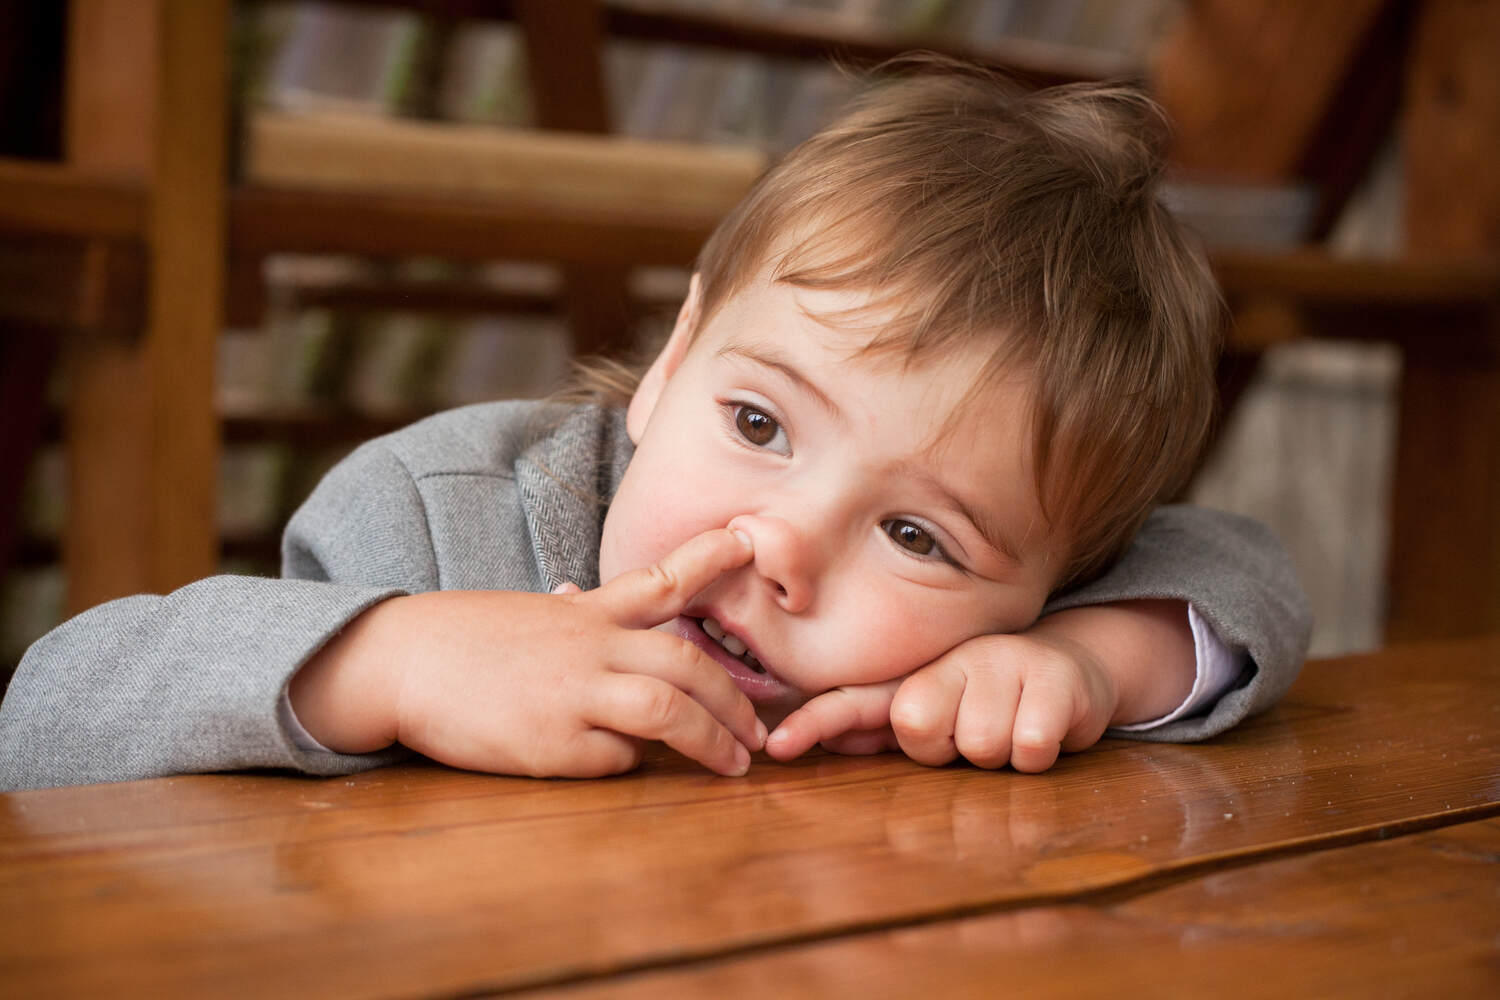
(191, 681)
(1238, 577)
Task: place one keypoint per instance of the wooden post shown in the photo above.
(565, 62)
(146, 98)
(1445, 545)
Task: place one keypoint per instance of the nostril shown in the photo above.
(781, 590)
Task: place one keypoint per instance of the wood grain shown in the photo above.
(1418, 916)
(421, 880)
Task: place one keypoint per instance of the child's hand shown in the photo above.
(568, 684)
(995, 700)
(1013, 699)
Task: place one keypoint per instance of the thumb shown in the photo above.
(644, 598)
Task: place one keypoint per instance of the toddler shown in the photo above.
(889, 484)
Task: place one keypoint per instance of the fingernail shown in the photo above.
(776, 739)
(742, 536)
(741, 762)
(760, 734)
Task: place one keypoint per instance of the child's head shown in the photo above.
(940, 362)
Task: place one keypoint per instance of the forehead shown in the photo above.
(857, 340)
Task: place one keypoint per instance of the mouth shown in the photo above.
(733, 644)
(759, 683)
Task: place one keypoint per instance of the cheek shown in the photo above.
(887, 632)
(654, 512)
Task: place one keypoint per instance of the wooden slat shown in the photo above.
(802, 34)
(66, 201)
(426, 881)
(1453, 279)
(1416, 916)
(267, 220)
(1441, 306)
(81, 286)
(528, 172)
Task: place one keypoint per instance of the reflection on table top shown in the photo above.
(421, 881)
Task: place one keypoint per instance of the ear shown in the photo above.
(664, 367)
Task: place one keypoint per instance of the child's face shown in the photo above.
(884, 533)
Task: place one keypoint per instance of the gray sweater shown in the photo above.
(506, 496)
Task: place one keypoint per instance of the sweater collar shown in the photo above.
(567, 478)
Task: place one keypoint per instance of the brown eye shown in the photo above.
(755, 426)
(911, 537)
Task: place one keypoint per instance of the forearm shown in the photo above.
(1144, 647)
(345, 696)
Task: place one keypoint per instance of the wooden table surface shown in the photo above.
(1345, 843)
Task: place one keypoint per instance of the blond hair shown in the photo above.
(1028, 221)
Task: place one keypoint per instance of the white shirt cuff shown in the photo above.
(301, 738)
(1219, 665)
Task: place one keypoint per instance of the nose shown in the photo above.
(783, 558)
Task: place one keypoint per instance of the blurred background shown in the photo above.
(238, 238)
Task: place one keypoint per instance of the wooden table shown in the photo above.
(1346, 843)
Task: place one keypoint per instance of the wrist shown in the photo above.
(1144, 647)
(345, 695)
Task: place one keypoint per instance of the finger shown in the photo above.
(684, 666)
(983, 732)
(863, 743)
(644, 598)
(654, 710)
(567, 588)
(1042, 722)
(594, 753)
(925, 711)
(831, 714)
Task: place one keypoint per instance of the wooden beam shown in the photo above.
(1249, 83)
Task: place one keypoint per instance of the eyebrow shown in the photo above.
(769, 357)
(988, 527)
